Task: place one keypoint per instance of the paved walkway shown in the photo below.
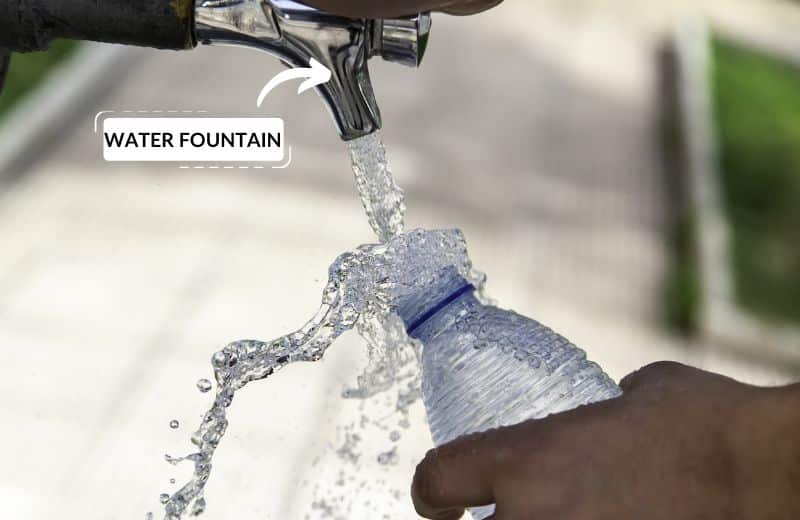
(534, 134)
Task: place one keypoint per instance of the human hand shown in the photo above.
(679, 444)
(392, 8)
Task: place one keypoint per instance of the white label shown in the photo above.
(193, 139)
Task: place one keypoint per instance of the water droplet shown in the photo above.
(163, 498)
(204, 385)
(148, 516)
(388, 458)
(172, 460)
(199, 506)
(219, 359)
(174, 424)
(172, 481)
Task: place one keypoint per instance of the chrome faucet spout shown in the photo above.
(295, 33)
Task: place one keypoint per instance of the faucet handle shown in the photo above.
(402, 40)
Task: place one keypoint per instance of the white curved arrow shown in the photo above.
(315, 75)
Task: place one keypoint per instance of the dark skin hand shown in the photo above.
(680, 444)
(392, 8)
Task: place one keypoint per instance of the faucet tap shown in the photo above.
(295, 33)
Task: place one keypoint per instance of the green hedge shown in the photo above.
(757, 112)
(28, 70)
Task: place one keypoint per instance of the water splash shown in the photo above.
(363, 288)
(383, 199)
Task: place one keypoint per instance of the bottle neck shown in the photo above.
(418, 308)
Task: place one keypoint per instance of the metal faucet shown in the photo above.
(295, 33)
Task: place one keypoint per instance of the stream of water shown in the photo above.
(383, 199)
(363, 286)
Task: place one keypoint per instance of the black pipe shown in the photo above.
(30, 25)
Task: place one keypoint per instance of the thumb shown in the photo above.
(456, 476)
(655, 373)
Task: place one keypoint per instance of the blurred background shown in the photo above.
(626, 172)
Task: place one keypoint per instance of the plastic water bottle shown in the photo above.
(485, 367)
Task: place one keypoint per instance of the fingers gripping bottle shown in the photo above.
(485, 367)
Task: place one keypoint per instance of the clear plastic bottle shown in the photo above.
(485, 367)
